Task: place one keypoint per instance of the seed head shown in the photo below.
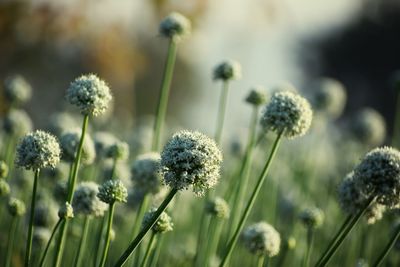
(86, 202)
(17, 122)
(69, 143)
(378, 175)
(369, 127)
(218, 207)
(112, 191)
(227, 70)
(119, 150)
(257, 96)
(17, 89)
(66, 211)
(175, 26)
(38, 150)
(329, 97)
(261, 239)
(312, 217)
(3, 169)
(4, 188)
(16, 207)
(146, 173)
(164, 222)
(191, 159)
(287, 112)
(90, 94)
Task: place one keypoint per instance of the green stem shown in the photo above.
(10, 243)
(214, 235)
(43, 258)
(99, 239)
(310, 241)
(108, 235)
(282, 256)
(28, 251)
(114, 167)
(138, 222)
(71, 189)
(221, 111)
(388, 247)
(157, 251)
(148, 249)
(251, 202)
(396, 127)
(342, 234)
(164, 93)
(82, 242)
(145, 229)
(203, 227)
(260, 261)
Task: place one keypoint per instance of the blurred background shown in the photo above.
(52, 42)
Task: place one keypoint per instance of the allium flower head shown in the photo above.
(227, 70)
(287, 112)
(119, 150)
(17, 89)
(38, 150)
(163, 224)
(218, 207)
(4, 188)
(146, 173)
(69, 143)
(90, 94)
(112, 191)
(102, 142)
(261, 239)
(378, 174)
(3, 169)
(369, 127)
(61, 122)
(45, 213)
(16, 207)
(191, 159)
(86, 201)
(330, 97)
(257, 96)
(175, 26)
(312, 217)
(66, 211)
(17, 122)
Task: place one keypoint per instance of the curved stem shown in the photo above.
(164, 93)
(221, 111)
(82, 242)
(260, 261)
(28, 251)
(310, 241)
(10, 242)
(251, 202)
(145, 229)
(108, 235)
(148, 249)
(388, 247)
(43, 258)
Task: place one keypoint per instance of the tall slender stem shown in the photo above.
(108, 235)
(82, 242)
(99, 239)
(43, 258)
(214, 235)
(388, 247)
(251, 202)
(260, 261)
(71, 189)
(157, 250)
(28, 251)
(221, 111)
(310, 241)
(145, 229)
(164, 93)
(138, 222)
(148, 249)
(10, 243)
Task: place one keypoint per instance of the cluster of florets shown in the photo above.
(17, 89)
(261, 239)
(38, 150)
(175, 26)
(119, 150)
(257, 96)
(112, 191)
(218, 207)
(16, 207)
(17, 122)
(69, 143)
(369, 127)
(86, 202)
(90, 94)
(66, 211)
(287, 113)
(102, 142)
(227, 70)
(191, 159)
(146, 173)
(312, 217)
(61, 122)
(163, 224)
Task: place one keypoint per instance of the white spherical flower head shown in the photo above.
(16, 207)
(112, 191)
(119, 150)
(38, 150)
(191, 159)
(146, 173)
(369, 127)
(17, 89)
(86, 201)
(227, 70)
(163, 224)
(330, 97)
(218, 207)
(257, 96)
(61, 122)
(287, 113)
(103, 141)
(90, 94)
(17, 122)
(262, 239)
(175, 26)
(69, 143)
(378, 175)
(312, 217)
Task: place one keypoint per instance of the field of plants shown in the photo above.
(297, 189)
